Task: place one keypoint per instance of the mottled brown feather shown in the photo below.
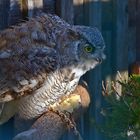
(17, 45)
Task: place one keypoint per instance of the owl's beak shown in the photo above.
(100, 58)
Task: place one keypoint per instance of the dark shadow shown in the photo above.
(4, 9)
(6, 130)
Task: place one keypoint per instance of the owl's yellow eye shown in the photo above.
(89, 48)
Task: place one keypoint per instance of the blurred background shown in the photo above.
(119, 22)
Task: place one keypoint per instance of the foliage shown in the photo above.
(122, 113)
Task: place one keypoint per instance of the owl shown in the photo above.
(41, 61)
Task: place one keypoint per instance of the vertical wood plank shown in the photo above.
(120, 36)
(30, 8)
(49, 6)
(24, 9)
(138, 31)
(34, 7)
(78, 11)
(131, 40)
(15, 12)
(4, 9)
(107, 30)
(18, 11)
(58, 7)
(65, 10)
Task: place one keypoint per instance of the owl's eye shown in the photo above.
(89, 48)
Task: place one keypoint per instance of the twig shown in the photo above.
(114, 88)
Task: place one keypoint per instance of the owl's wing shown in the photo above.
(24, 64)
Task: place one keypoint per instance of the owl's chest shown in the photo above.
(57, 85)
(73, 79)
(64, 81)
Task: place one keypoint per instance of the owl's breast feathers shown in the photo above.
(27, 55)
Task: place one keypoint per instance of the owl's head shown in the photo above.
(84, 45)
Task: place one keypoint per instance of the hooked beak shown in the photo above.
(101, 58)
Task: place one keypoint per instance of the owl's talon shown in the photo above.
(66, 118)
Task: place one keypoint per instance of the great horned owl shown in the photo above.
(41, 61)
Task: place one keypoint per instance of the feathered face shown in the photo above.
(83, 45)
(90, 52)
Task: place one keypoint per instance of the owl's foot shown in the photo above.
(68, 120)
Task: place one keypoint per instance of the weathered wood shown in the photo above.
(65, 10)
(135, 68)
(120, 37)
(48, 127)
(138, 31)
(132, 12)
(21, 9)
(107, 66)
(107, 30)
(4, 10)
(34, 7)
(24, 9)
(121, 32)
(15, 12)
(131, 40)
(78, 11)
(49, 6)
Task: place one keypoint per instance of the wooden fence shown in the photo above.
(117, 21)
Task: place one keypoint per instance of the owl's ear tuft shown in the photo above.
(92, 34)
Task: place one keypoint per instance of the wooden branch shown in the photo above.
(51, 125)
(49, 6)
